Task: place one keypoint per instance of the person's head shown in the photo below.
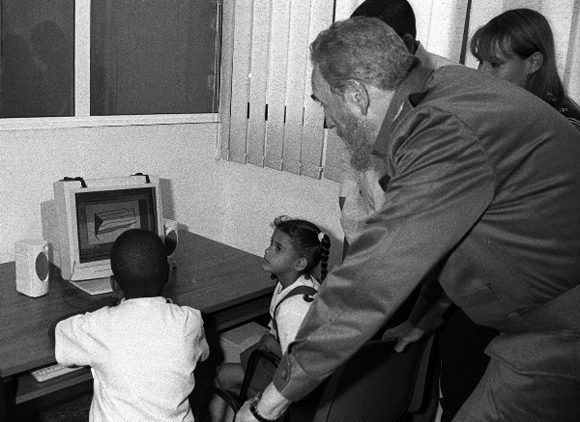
(357, 64)
(518, 46)
(398, 14)
(296, 248)
(139, 263)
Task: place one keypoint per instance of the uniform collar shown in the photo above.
(410, 93)
(302, 280)
(145, 301)
(423, 56)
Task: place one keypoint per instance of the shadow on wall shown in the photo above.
(167, 198)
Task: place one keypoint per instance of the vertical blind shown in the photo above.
(271, 121)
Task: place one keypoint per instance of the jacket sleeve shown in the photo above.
(440, 184)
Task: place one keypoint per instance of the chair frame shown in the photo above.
(425, 369)
(426, 372)
(233, 400)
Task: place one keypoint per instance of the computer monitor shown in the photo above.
(87, 216)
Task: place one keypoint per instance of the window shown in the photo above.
(37, 63)
(153, 57)
(145, 57)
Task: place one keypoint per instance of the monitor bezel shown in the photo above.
(65, 193)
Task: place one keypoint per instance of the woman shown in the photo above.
(518, 46)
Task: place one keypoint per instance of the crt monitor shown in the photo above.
(85, 218)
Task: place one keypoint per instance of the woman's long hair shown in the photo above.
(523, 32)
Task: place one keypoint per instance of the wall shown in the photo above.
(224, 201)
(255, 196)
(33, 160)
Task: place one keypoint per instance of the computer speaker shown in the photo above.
(171, 237)
(32, 268)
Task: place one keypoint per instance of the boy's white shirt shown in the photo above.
(142, 355)
(291, 312)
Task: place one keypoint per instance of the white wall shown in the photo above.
(33, 160)
(255, 196)
(224, 201)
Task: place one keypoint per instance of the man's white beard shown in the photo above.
(358, 137)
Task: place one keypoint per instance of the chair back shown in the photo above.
(380, 385)
(260, 367)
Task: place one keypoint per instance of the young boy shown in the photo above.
(143, 351)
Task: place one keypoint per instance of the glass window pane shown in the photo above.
(37, 59)
(154, 56)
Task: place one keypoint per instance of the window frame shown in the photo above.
(82, 65)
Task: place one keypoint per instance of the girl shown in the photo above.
(296, 248)
(518, 46)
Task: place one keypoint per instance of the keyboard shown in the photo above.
(53, 371)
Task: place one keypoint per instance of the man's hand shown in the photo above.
(244, 414)
(405, 334)
(271, 405)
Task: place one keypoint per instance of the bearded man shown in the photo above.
(480, 178)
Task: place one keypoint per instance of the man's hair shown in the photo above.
(398, 14)
(139, 263)
(362, 49)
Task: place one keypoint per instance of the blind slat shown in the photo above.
(334, 150)
(276, 90)
(296, 75)
(313, 131)
(226, 70)
(258, 81)
(240, 81)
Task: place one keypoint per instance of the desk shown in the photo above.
(226, 284)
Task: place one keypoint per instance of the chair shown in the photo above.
(380, 385)
(376, 384)
(233, 400)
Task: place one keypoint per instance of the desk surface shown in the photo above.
(208, 276)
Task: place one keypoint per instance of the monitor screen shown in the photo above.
(87, 215)
(103, 215)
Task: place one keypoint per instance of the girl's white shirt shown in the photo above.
(291, 312)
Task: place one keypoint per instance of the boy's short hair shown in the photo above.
(139, 263)
(398, 14)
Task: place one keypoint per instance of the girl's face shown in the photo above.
(280, 258)
(510, 67)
